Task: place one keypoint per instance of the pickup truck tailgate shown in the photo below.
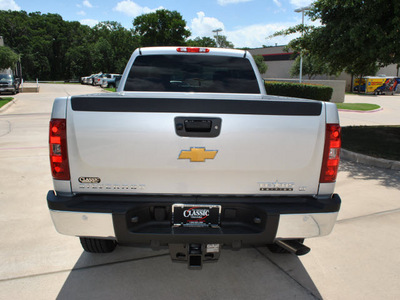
(131, 145)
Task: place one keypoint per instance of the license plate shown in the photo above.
(196, 215)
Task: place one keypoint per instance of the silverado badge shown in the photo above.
(197, 154)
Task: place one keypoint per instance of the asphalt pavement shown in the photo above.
(359, 260)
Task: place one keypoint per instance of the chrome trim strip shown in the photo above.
(83, 224)
(305, 225)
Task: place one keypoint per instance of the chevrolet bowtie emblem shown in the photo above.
(197, 154)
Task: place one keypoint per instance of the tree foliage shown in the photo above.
(311, 67)
(161, 28)
(218, 41)
(8, 58)
(261, 65)
(204, 41)
(355, 36)
(222, 42)
(54, 49)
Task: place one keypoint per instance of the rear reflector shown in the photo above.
(58, 149)
(193, 50)
(330, 163)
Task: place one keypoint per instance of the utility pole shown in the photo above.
(217, 39)
(302, 10)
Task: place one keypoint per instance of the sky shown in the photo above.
(246, 23)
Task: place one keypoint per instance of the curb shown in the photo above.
(361, 111)
(369, 160)
(6, 106)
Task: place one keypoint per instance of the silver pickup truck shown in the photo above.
(191, 154)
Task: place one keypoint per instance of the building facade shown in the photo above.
(280, 62)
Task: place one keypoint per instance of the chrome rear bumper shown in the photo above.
(100, 225)
(305, 225)
(84, 224)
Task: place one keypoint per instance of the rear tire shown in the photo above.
(97, 245)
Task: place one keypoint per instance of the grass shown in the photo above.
(110, 89)
(376, 141)
(357, 106)
(5, 100)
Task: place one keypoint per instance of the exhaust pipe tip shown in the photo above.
(293, 246)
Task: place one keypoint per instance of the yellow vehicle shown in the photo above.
(376, 85)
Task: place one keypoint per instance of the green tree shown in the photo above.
(261, 65)
(75, 59)
(202, 42)
(54, 49)
(8, 58)
(372, 26)
(222, 42)
(311, 66)
(103, 56)
(161, 28)
(356, 36)
(121, 44)
(14, 29)
(78, 56)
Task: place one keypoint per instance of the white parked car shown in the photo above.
(89, 79)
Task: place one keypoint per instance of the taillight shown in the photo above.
(58, 149)
(193, 50)
(330, 163)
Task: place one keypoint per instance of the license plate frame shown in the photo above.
(196, 215)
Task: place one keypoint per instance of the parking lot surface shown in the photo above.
(388, 115)
(359, 260)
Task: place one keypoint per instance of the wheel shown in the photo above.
(97, 245)
(274, 248)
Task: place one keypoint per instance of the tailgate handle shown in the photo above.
(197, 127)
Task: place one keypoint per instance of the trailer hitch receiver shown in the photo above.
(194, 254)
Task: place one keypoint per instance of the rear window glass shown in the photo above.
(192, 73)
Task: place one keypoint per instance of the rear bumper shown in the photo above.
(7, 89)
(147, 219)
